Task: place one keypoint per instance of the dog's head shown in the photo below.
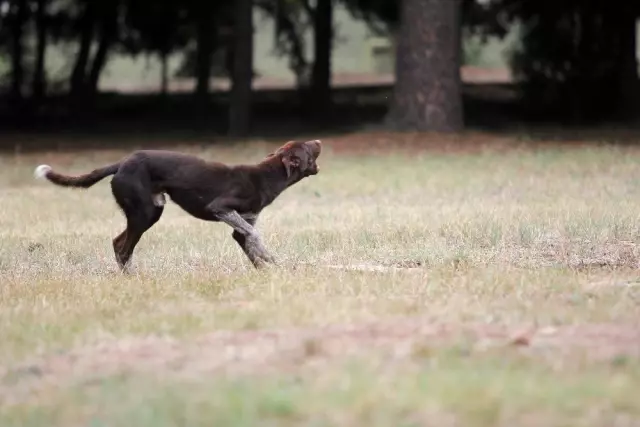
(299, 158)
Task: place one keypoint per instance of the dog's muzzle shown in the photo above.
(316, 149)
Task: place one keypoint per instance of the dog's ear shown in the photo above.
(281, 149)
(290, 161)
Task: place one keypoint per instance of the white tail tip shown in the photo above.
(41, 171)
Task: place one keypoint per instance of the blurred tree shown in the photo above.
(50, 21)
(156, 27)
(85, 26)
(209, 49)
(41, 24)
(240, 102)
(628, 80)
(293, 19)
(383, 16)
(427, 93)
(290, 25)
(107, 30)
(577, 59)
(204, 20)
(97, 23)
(323, 47)
(17, 19)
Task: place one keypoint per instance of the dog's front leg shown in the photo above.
(246, 235)
(247, 249)
(248, 238)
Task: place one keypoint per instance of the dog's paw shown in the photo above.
(257, 252)
(269, 258)
(262, 264)
(127, 270)
(41, 171)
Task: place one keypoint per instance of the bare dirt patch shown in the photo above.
(272, 350)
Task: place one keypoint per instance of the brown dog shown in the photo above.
(210, 191)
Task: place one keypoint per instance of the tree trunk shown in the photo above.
(20, 14)
(108, 34)
(205, 45)
(39, 75)
(87, 24)
(240, 102)
(427, 94)
(323, 40)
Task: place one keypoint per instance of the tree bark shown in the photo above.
(87, 24)
(108, 35)
(323, 41)
(20, 14)
(204, 51)
(39, 75)
(427, 94)
(240, 102)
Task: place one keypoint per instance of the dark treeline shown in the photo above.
(576, 61)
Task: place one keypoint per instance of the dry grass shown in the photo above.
(479, 288)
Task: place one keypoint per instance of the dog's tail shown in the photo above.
(80, 181)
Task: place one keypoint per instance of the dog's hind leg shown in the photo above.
(118, 241)
(137, 225)
(141, 211)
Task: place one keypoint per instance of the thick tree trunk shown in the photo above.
(204, 50)
(39, 75)
(87, 24)
(240, 102)
(323, 41)
(427, 94)
(108, 35)
(20, 14)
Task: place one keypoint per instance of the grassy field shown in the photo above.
(446, 287)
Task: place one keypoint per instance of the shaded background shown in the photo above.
(290, 67)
